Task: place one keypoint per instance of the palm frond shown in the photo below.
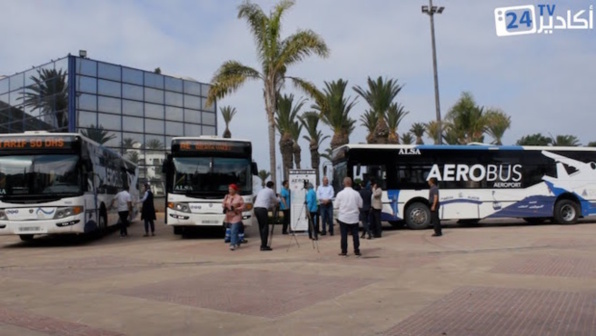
(228, 78)
(395, 115)
(257, 20)
(300, 45)
(227, 113)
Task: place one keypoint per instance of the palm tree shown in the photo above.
(536, 139)
(407, 138)
(432, 129)
(128, 143)
(565, 140)
(286, 115)
(310, 121)
(418, 130)
(379, 96)
(395, 115)
(49, 94)
(497, 122)
(133, 156)
(153, 144)
(295, 130)
(334, 109)
(467, 120)
(263, 175)
(275, 56)
(227, 113)
(369, 120)
(592, 144)
(98, 134)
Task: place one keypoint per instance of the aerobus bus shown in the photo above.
(476, 181)
(59, 183)
(198, 172)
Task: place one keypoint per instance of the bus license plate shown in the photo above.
(29, 229)
(210, 221)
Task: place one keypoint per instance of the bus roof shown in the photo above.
(465, 147)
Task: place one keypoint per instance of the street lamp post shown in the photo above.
(431, 10)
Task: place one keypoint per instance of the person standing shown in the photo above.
(313, 208)
(284, 205)
(375, 211)
(349, 203)
(433, 200)
(366, 195)
(124, 206)
(325, 195)
(266, 200)
(148, 211)
(233, 205)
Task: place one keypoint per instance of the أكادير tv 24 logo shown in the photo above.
(536, 19)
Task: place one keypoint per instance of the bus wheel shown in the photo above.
(418, 216)
(26, 237)
(177, 230)
(566, 212)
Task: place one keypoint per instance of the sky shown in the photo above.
(545, 82)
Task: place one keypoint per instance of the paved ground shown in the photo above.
(491, 280)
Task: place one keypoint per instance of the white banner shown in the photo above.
(298, 211)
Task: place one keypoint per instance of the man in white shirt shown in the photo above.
(349, 203)
(325, 195)
(266, 200)
(124, 205)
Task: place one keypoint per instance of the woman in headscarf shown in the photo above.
(148, 211)
(233, 205)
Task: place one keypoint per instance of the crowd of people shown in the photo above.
(355, 204)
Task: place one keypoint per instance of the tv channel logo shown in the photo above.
(515, 20)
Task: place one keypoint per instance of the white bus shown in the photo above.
(59, 183)
(198, 173)
(476, 181)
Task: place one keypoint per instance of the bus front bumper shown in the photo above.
(179, 218)
(72, 224)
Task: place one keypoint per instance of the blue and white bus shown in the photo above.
(476, 181)
(59, 183)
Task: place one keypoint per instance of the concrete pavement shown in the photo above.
(488, 280)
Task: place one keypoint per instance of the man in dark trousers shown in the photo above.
(266, 200)
(366, 195)
(433, 200)
(348, 203)
(124, 204)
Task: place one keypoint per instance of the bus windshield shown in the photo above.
(26, 175)
(211, 176)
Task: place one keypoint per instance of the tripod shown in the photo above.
(311, 225)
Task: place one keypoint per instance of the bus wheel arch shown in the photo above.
(567, 209)
(417, 214)
(26, 237)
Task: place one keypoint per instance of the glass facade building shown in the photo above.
(135, 112)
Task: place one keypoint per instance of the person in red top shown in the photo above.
(233, 205)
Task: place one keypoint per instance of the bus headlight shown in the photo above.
(3, 215)
(68, 211)
(248, 206)
(182, 207)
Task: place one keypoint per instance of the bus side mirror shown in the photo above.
(358, 168)
(166, 163)
(254, 168)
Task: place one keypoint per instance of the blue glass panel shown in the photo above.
(208, 130)
(87, 84)
(174, 113)
(153, 111)
(86, 119)
(132, 107)
(87, 102)
(17, 82)
(173, 84)
(132, 76)
(108, 71)
(192, 130)
(110, 105)
(209, 118)
(132, 124)
(154, 96)
(4, 85)
(132, 91)
(109, 88)
(110, 121)
(192, 102)
(153, 80)
(175, 99)
(86, 67)
(174, 128)
(192, 88)
(192, 116)
(154, 126)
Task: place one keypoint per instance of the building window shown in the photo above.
(174, 128)
(86, 67)
(132, 76)
(154, 126)
(174, 113)
(87, 84)
(192, 102)
(192, 116)
(110, 121)
(108, 71)
(110, 105)
(153, 111)
(173, 98)
(154, 96)
(132, 124)
(132, 91)
(193, 88)
(153, 80)
(109, 88)
(132, 107)
(173, 84)
(208, 118)
(87, 102)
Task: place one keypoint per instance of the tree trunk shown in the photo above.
(419, 140)
(227, 134)
(393, 138)
(297, 155)
(270, 109)
(381, 132)
(370, 138)
(286, 147)
(315, 159)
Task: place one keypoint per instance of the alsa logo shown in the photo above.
(409, 151)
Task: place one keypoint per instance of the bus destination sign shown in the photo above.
(213, 146)
(36, 142)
